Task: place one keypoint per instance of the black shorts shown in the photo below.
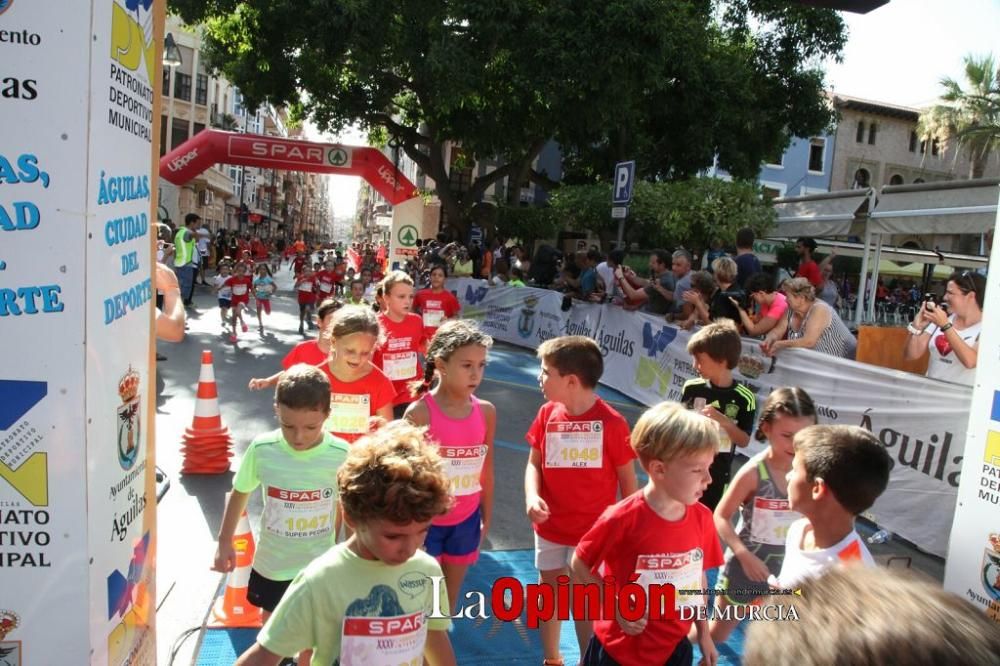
(264, 592)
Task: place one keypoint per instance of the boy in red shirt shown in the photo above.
(661, 534)
(580, 457)
(299, 263)
(339, 271)
(326, 281)
(305, 287)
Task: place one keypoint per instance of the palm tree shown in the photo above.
(969, 117)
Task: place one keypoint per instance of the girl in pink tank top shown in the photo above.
(462, 426)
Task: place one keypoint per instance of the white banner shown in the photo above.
(76, 472)
(920, 421)
(124, 75)
(972, 569)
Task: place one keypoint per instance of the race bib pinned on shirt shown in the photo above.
(239, 289)
(384, 641)
(682, 570)
(433, 318)
(298, 514)
(349, 413)
(464, 466)
(574, 444)
(771, 520)
(400, 366)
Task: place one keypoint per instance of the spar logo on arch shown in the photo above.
(339, 156)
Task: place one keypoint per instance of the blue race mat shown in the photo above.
(476, 641)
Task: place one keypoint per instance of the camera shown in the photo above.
(929, 301)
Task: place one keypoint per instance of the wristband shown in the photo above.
(947, 326)
(914, 330)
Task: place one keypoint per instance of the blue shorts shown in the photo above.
(455, 544)
(224, 303)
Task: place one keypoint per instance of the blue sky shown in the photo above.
(900, 51)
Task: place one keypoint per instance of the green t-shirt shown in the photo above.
(300, 493)
(340, 585)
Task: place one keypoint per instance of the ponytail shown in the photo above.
(420, 386)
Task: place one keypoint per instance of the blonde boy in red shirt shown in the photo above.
(580, 457)
(664, 535)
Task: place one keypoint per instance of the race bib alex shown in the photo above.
(574, 444)
(298, 514)
(349, 413)
(384, 641)
(771, 519)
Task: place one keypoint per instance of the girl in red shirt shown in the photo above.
(305, 285)
(403, 334)
(360, 394)
(240, 283)
(435, 304)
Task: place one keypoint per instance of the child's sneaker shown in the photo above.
(301, 330)
(245, 327)
(232, 337)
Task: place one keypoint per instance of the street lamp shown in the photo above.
(171, 53)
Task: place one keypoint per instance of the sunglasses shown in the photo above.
(967, 277)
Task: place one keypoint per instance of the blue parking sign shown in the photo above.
(621, 192)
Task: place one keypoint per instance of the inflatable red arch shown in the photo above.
(209, 147)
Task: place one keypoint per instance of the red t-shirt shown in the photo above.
(298, 263)
(241, 288)
(324, 283)
(338, 273)
(305, 288)
(810, 271)
(632, 538)
(307, 352)
(580, 457)
(434, 308)
(397, 357)
(352, 403)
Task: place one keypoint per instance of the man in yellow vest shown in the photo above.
(187, 258)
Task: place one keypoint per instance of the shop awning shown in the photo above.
(953, 207)
(818, 215)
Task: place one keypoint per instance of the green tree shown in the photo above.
(969, 116)
(691, 213)
(671, 83)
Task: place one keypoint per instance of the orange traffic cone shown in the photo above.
(232, 609)
(207, 441)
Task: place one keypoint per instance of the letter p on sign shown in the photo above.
(621, 194)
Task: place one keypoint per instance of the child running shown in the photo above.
(224, 293)
(403, 334)
(360, 394)
(436, 303)
(310, 352)
(391, 487)
(462, 426)
(305, 286)
(357, 294)
(296, 468)
(759, 491)
(580, 457)
(838, 472)
(663, 535)
(263, 289)
(240, 283)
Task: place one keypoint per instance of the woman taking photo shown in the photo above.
(811, 324)
(953, 340)
(772, 304)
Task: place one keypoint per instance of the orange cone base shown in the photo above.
(250, 617)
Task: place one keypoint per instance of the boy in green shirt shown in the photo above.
(368, 600)
(296, 468)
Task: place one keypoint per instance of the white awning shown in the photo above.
(818, 215)
(951, 207)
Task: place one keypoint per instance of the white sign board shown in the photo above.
(972, 569)
(76, 473)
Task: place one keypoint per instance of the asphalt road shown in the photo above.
(191, 510)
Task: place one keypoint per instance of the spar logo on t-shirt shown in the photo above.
(462, 451)
(669, 560)
(299, 495)
(576, 426)
(434, 305)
